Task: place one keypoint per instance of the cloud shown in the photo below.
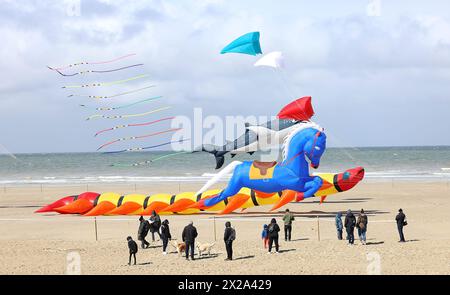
(366, 74)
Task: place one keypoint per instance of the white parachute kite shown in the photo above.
(273, 59)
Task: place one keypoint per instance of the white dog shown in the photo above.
(204, 248)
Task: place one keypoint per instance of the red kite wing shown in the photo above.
(300, 109)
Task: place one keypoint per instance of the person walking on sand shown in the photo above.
(401, 222)
(273, 230)
(349, 224)
(339, 225)
(155, 224)
(361, 224)
(288, 218)
(165, 235)
(144, 227)
(189, 234)
(133, 247)
(265, 236)
(228, 237)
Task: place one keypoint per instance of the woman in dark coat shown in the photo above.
(165, 235)
(349, 223)
(273, 230)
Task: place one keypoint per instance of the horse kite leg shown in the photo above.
(234, 186)
(312, 186)
(228, 169)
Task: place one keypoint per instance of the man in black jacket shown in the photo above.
(401, 222)
(228, 237)
(144, 227)
(189, 234)
(349, 223)
(155, 224)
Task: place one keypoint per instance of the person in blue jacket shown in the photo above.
(339, 225)
(265, 236)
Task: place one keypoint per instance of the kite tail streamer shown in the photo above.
(139, 137)
(107, 83)
(91, 63)
(149, 161)
(133, 125)
(147, 147)
(125, 106)
(111, 96)
(127, 116)
(95, 71)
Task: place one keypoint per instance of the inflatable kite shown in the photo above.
(246, 44)
(306, 140)
(264, 136)
(94, 204)
(274, 59)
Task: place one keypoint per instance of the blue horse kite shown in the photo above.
(308, 139)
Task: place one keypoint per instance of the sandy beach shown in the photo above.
(39, 243)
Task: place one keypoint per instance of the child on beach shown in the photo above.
(265, 236)
(133, 247)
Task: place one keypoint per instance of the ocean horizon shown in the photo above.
(380, 163)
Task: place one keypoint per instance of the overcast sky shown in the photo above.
(375, 80)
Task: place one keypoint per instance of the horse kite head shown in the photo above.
(310, 139)
(315, 147)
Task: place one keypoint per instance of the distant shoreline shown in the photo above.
(166, 151)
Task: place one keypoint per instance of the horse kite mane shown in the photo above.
(299, 127)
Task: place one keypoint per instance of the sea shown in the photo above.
(380, 163)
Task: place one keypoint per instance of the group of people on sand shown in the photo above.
(350, 222)
(269, 235)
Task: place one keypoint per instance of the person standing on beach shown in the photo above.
(165, 235)
(155, 224)
(339, 225)
(361, 224)
(265, 236)
(349, 224)
(144, 227)
(273, 230)
(189, 234)
(133, 247)
(228, 237)
(288, 218)
(401, 222)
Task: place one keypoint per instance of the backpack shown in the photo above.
(232, 235)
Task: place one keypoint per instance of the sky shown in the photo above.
(378, 71)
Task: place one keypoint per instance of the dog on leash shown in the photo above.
(179, 246)
(204, 248)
